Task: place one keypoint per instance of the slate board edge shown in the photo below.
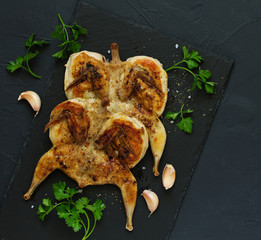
(200, 150)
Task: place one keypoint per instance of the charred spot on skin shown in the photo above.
(87, 73)
(105, 102)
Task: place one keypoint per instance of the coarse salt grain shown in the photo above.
(189, 96)
(109, 51)
(143, 168)
(171, 122)
(176, 46)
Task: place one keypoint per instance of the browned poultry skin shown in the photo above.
(122, 138)
(137, 88)
(142, 84)
(89, 74)
(88, 166)
(74, 153)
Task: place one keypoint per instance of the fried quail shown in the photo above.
(93, 147)
(136, 87)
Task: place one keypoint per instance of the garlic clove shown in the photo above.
(33, 99)
(168, 176)
(151, 199)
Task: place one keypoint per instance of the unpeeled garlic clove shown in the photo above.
(33, 98)
(151, 199)
(168, 176)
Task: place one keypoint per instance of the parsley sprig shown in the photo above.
(72, 211)
(23, 62)
(186, 122)
(193, 60)
(67, 45)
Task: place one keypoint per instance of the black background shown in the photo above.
(223, 199)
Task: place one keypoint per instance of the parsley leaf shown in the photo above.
(97, 209)
(193, 60)
(172, 115)
(62, 192)
(29, 44)
(45, 209)
(61, 33)
(72, 211)
(186, 122)
(185, 125)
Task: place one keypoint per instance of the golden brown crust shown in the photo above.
(88, 74)
(122, 141)
(75, 117)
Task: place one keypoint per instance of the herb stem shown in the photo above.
(64, 31)
(88, 227)
(88, 222)
(27, 64)
(181, 111)
(85, 230)
(175, 65)
(178, 67)
(91, 230)
(64, 27)
(29, 70)
(59, 16)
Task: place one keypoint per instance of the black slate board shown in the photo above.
(18, 217)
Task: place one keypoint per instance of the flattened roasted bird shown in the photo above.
(136, 87)
(93, 147)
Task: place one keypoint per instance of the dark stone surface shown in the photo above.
(223, 198)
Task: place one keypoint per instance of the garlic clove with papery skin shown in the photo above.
(168, 176)
(151, 199)
(33, 99)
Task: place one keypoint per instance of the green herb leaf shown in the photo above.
(204, 74)
(80, 29)
(210, 87)
(72, 211)
(12, 66)
(75, 34)
(61, 54)
(195, 56)
(71, 216)
(61, 33)
(62, 192)
(74, 46)
(44, 209)
(187, 111)
(98, 206)
(30, 55)
(193, 61)
(58, 33)
(29, 44)
(64, 210)
(172, 115)
(186, 125)
(40, 43)
(82, 203)
(185, 52)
